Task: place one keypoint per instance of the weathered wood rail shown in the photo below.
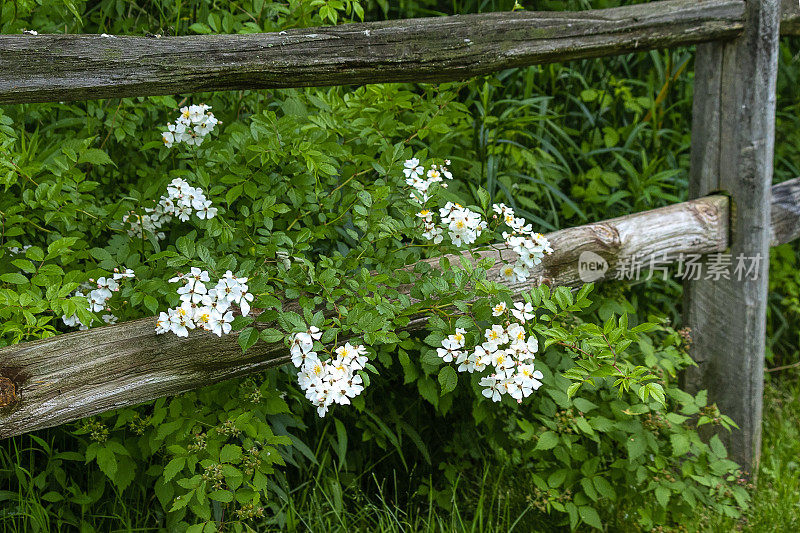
(74, 67)
(63, 378)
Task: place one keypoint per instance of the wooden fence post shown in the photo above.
(733, 133)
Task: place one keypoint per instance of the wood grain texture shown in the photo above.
(75, 375)
(733, 134)
(77, 67)
(785, 212)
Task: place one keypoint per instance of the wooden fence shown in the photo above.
(52, 381)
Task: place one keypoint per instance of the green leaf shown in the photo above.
(107, 462)
(15, 278)
(483, 197)
(590, 516)
(662, 495)
(272, 335)
(448, 379)
(604, 488)
(199, 27)
(247, 338)
(557, 478)
(182, 501)
(636, 446)
(74, 10)
(583, 405)
(717, 447)
(224, 496)
(95, 156)
(680, 444)
(230, 453)
(34, 253)
(186, 246)
(52, 496)
(150, 303)
(233, 193)
(547, 441)
(55, 247)
(173, 467)
(428, 390)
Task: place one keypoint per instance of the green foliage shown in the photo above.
(629, 453)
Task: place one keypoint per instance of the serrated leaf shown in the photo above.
(547, 441)
(448, 379)
(107, 462)
(717, 447)
(272, 335)
(680, 444)
(662, 495)
(224, 496)
(247, 338)
(173, 467)
(95, 156)
(589, 516)
(636, 446)
(230, 453)
(428, 390)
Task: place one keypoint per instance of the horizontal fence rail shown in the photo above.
(74, 375)
(40, 68)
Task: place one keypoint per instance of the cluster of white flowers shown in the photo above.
(529, 246)
(334, 380)
(416, 178)
(507, 350)
(463, 225)
(191, 127)
(98, 293)
(181, 201)
(205, 308)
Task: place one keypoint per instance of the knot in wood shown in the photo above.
(706, 212)
(606, 235)
(8, 392)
